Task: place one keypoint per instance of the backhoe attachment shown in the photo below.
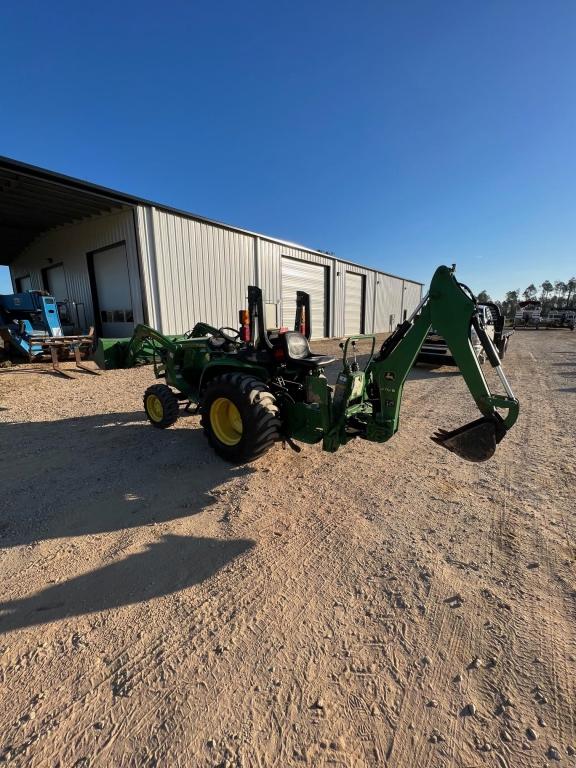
(450, 308)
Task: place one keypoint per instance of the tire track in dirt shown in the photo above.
(524, 639)
(553, 622)
(256, 664)
(265, 616)
(136, 671)
(358, 560)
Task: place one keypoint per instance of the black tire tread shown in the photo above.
(265, 428)
(169, 403)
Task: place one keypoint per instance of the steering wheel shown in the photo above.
(228, 336)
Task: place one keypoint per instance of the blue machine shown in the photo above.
(25, 319)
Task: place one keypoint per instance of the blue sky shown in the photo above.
(399, 134)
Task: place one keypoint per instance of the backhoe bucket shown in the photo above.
(475, 441)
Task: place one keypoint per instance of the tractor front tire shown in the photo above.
(240, 417)
(161, 406)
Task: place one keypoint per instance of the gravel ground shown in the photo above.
(385, 605)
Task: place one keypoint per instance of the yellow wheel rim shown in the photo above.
(154, 407)
(226, 421)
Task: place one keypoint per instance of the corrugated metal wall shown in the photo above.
(70, 244)
(202, 271)
(194, 271)
(187, 270)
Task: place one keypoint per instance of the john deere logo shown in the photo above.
(389, 375)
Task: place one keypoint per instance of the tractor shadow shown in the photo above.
(97, 474)
(170, 564)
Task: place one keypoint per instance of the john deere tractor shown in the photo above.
(255, 387)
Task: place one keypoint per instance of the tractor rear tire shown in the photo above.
(161, 406)
(240, 417)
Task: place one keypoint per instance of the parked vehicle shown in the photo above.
(435, 349)
(561, 318)
(528, 314)
(31, 327)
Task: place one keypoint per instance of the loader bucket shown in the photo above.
(475, 441)
(130, 352)
(111, 353)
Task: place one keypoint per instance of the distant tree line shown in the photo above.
(557, 295)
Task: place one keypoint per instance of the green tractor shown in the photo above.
(255, 387)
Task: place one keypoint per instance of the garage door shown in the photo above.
(354, 304)
(389, 292)
(111, 290)
(55, 282)
(23, 284)
(312, 278)
(412, 294)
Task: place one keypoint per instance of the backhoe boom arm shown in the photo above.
(451, 310)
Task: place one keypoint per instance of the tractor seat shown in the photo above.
(298, 351)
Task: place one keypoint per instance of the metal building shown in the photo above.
(115, 260)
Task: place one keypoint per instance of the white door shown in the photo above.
(412, 294)
(353, 304)
(389, 296)
(303, 276)
(23, 284)
(113, 292)
(56, 282)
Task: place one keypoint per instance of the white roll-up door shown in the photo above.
(23, 284)
(353, 304)
(389, 291)
(113, 292)
(56, 282)
(303, 276)
(412, 294)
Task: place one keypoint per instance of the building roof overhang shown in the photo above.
(33, 200)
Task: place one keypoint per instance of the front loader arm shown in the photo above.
(145, 343)
(450, 311)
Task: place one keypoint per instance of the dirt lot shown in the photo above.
(388, 605)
